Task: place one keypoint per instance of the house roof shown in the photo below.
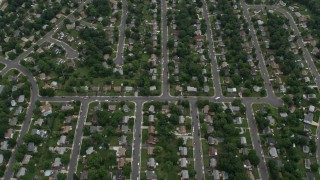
(191, 89)
(38, 122)
(152, 162)
(181, 119)
(212, 151)
(89, 150)
(57, 162)
(183, 162)
(243, 140)
(151, 129)
(273, 152)
(31, 146)
(182, 130)
(183, 151)
(307, 163)
(232, 90)
(151, 118)
(213, 162)
(152, 140)
(95, 129)
(124, 128)
(112, 107)
(123, 140)
(216, 174)
(121, 151)
(150, 150)
(151, 108)
(206, 109)
(125, 119)
(121, 162)
(62, 140)
(185, 174)
(26, 159)
(4, 145)
(21, 172)
(308, 118)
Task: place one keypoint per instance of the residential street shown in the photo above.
(306, 53)
(77, 140)
(136, 158)
(263, 171)
(121, 41)
(263, 68)
(70, 52)
(165, 75)
(214, 63)
(165, 96)
(197, 142)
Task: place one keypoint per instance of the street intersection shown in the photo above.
(165, 96)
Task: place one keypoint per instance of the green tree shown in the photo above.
(253, 158)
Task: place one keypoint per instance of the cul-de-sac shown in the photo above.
(159, 89)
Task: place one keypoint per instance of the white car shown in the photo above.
(217, 98)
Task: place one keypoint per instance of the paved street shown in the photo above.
(70, 52)
(77, 139)
(305, 52)
(262, 65)
(49, 34)
(198, 164)
(214, 62)
(34, 91)
(271, 98)
(263, 171)
(165, 73)
(122, 28)
(26, 123)
(136, 158)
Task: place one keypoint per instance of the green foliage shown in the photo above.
(99, 8)
(253, 158)
(313, 23)
(47, 92)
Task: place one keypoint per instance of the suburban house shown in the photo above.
(46, 109)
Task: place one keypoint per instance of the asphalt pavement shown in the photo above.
(198, 164)
(259, 55)
(119, 58)
(214, 62)
(306, 54)
(70, 52)
(271, 98)
(77, 139)
(136, 155)
(165, 72)
(34, 90)
(262, 167)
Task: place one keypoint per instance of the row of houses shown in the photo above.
(271, 143)
(119, 149)
(62, 144)
(152, 141)
(12, 123)
(272, 62)
(226, 66)
(199, 48)
(213, 142)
